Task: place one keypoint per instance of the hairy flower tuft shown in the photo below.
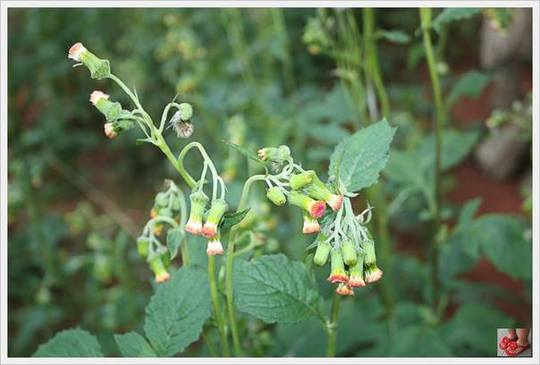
(216, 212)
(214, 246)
(198, 204)
(337, 271)
(311, 225)
(314, 207)
(344, 289)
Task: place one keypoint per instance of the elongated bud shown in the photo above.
(318, 190)
(217, 209)
(99, 68)
(344, 289)
(111, 110)
(314, 207)
(321, 253)
(298, 181)
(349, 252)
(369, 249)
(158, 268)
(356, 273)
(214, 246)
(198, 204)
(142, 246)
(274, 154)
(276, 196)
(311, 225)
(372, 273)
(337, 271)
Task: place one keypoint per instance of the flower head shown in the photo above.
(344, 289)
(198, 204)
(111, 110)
(157, 265)
(214, 246)
(109, 130)
(314, 207)
(274, 154)
(311, 225)
(356, 273)
(276, 196)
(372, 273)
(97, 95)
(75, 51)
(216, 212)
(337, 271)
(99, 68)
(318, 190)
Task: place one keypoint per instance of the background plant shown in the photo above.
(318, 112)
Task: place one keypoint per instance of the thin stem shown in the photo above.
(229, 266)
(216, 304)
(209, 344)
(332, 327)
(425, 17)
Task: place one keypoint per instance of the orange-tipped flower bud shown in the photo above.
(356, 273)
(218, 208)
(158, 267)
(214, 246)
(315, 208)
(318, 190)
(198, 204)
(99, 69)
(372, 273)
(311, 225)
(337, 272)
(344, 289)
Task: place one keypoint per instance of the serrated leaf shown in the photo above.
(358, 159)
(449, 15)
(471, 85)
(275, 289)
(244, 151)
(177, 312)
(174, 239)
(70, 343)
(396, 36)
(132, 344)
(231, 219)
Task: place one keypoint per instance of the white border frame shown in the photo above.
(263, 4)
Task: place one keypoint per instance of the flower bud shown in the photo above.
(337, 271)
(153, 213)
(218, 208)
(315, 207)
(99, 68)
(372, 273)
(161, 199)
(298, 181)
(349, 252)
(214, 246)
(318, 190)
(142, 246)
(356, 273)
(276, 196)
(111, 110)
(311, 225)
(344, 289)
(158, 268)
(198, 204)
(369, 249)
(108, 128)
(186, 111)
(274, 154)
(321, 253)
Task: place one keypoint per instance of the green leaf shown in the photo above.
(470, 85)
(244, 151)
(275, 289)
(232, 219)
(449, 15)
(70, 343)
(357, 160)
(473, 329)
(396, 36)
(132, 344)
(177, 312)
(468, 211)
(174, 239)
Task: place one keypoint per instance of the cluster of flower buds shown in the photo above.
(117, 119)
(166, 212)
(210, 228)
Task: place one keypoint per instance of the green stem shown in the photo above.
(332, 327)
(229, 266)
(425, 17)
(216, 305)
(373, 71)
(209, 344)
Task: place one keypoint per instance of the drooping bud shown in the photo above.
(344, 289)
(214, 246)
(142, 246)
(318, 190)
(108, 128)
(298, 181)
(276, 196)
(356, 273)
(369, 248)
(337, 271)
(322, 252)
(99, 68)
(198, 204)
(217, 209)
(311, 225)
(111, 110)
(372, 273)
(314, 207)
(157, 266)
(349, 252)
(186, 112)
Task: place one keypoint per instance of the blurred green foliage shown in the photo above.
(255, 77)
